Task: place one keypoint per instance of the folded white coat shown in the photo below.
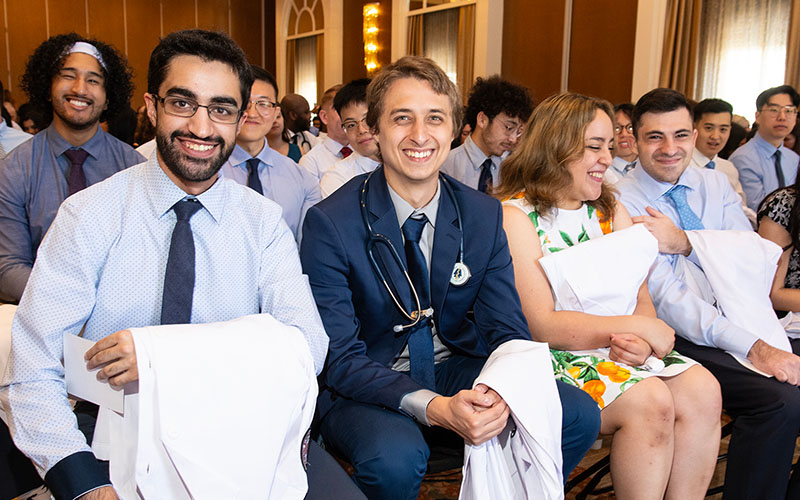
(602, 276)
(524, 461)
(741, 282)
(221, 412)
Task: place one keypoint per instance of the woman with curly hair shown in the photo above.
(665, 425)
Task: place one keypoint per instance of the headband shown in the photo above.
(89, 49)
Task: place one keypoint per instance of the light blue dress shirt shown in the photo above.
(33, 183)
(756, 165)
(10, 137)
(713, 200)
(282, 180)
(464, 164)
(101, 267)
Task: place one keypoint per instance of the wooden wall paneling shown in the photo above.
(601, 48)
(144, 27)
(66, 16)
(8, 83)
(213, 15)
(26, 30)
(385, 34)
(532, 44)
(177, 14)
(246, 28)
(270, 37)
(353, 42)
(107, 22)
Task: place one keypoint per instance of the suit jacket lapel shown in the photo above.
(446, 241)
(384, 221)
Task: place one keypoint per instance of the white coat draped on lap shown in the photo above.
(741, 281)
(524, 461)
(221, 412)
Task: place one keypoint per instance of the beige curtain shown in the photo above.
(743, 50)
(466, 48)
(320, 68)
(679, 57)
(291, 51)
(793, 47)
(414, 42)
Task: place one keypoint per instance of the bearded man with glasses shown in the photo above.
(764, 163)
(256, 165)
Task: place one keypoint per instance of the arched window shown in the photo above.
(304, 48)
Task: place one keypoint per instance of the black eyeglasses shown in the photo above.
(186, 108)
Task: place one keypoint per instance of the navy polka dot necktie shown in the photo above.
(176, 302)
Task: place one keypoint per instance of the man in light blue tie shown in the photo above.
(670, 198)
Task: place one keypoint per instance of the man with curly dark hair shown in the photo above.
(496, 111)
(78, 82)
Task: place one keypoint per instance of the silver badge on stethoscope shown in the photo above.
(460, 274)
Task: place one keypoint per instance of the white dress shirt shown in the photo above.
(322, 157)
(344, 170)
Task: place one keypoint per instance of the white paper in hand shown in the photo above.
(81, 382)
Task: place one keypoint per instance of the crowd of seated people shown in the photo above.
(415, 245)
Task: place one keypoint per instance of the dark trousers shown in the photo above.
(388, 449)
(766, 421)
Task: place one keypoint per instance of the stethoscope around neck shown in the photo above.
(458, 277)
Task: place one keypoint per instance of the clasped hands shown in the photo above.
(656, 338)
(118, 353)
(477, 415)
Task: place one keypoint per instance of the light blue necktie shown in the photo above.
(689, 220)
(711, 165)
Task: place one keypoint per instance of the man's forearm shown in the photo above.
(12, 282)
(76, 475)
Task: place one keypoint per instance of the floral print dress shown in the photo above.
(591, 370)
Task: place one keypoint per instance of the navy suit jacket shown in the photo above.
(359, 314)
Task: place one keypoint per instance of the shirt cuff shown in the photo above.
(416, 404)
(77, 475)
(737, 341)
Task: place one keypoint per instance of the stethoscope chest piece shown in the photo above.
(460, 274)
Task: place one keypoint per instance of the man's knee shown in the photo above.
(392, 468)
(580, 424)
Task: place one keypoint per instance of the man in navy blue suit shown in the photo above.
(403, 357)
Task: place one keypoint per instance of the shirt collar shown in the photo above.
(239, 156)
(700, 158)
(654, 189)
(333, 146)
(404, 210)
(363, 163)
(58, 144)
(619, 164)
(3, 127)
(164, 193)
(474, 153)
(766, 149)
